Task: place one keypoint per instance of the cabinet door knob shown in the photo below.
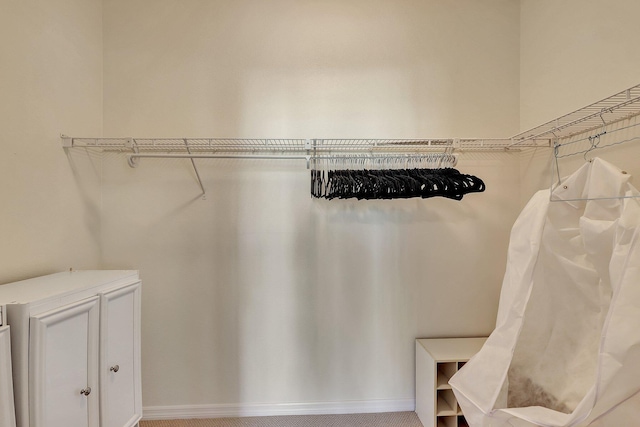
(86, 391)
(115, 368)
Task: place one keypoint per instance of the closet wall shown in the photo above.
(573, 53)
(258, 294)
(50, 82)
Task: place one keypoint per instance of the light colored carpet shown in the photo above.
(391, 419)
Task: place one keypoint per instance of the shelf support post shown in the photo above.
(193, 163)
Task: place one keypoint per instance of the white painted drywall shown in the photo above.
(50, 82)
(259, 294)
(574, 53)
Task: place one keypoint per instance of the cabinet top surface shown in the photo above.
(452, 348)
(44, 287)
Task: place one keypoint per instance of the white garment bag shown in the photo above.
(566, 347)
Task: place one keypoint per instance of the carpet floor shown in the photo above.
(391, 419)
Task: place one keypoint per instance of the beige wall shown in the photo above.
(50, 82)
(259, 294)
(574, 53)
(307, 68)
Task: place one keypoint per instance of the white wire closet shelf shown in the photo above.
(271, 148)
(315, 146)
(554, 133)
(613, 109)
(620, 106)
(373, 151)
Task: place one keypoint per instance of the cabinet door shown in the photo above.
(7, 410)
(120, 391)
(63, 361)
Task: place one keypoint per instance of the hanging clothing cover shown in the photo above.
(566, 348)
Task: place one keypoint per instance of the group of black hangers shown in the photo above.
(393, 183)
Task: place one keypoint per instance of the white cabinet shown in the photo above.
(437, 360)
(7, 412)
(76, 349)
(119, 349)
(63, 375)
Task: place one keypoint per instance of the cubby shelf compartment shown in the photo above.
(437, 360)
(447, 421)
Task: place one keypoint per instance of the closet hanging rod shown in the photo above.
(216, 156)
(132, 158)
(593, 142)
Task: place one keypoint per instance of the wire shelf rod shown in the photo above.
(360, 155)
(133, 158)
(587, 138)
(597, 147)
(215, 156)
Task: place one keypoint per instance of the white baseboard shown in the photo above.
(268, 409)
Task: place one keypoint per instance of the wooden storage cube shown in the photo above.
(462, 422)
(437, 360)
